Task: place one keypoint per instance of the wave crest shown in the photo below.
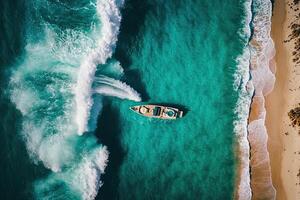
(44, 88)
(244, 87)
(109, 14)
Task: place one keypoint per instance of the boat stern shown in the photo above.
(180, 114)
(134, 108)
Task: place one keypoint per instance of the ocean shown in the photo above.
(71, 69)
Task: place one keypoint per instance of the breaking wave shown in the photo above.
(109, 14)
(244, 87)
(51, 86)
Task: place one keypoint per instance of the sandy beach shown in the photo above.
(284, 140)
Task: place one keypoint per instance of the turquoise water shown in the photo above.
(180, 53)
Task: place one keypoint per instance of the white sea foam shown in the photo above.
(111, 87)
(55, 151)
(105, 86)
(41, 88)
(82, 181)
(89, 172)
(240, 128)
(23, 100)
(109, 14)
(244, 86)
(255, 58)
(262, 51)
(111, 69)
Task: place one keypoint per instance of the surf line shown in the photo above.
(109, 14)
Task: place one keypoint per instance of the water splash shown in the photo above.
(112, 87)
(109, 14)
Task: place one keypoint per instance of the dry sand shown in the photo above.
(284, 140)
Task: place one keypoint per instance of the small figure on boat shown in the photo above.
(157, 111)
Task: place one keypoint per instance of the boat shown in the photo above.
(157, 111)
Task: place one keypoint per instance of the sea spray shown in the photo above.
(106, 86)
(80, 180)
(109, 14)
(111, 87)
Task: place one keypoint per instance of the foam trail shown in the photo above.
(109, 14)
(112, 87)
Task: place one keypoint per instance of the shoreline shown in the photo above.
(284, 143)
(262, 71)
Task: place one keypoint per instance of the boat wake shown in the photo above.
(111, 87)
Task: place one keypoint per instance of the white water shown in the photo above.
(112, 87)
(244, 87)
(262, 51)
(109, 14)
(82, 180)
(106, 86)
(42, 88)
(255, 60)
